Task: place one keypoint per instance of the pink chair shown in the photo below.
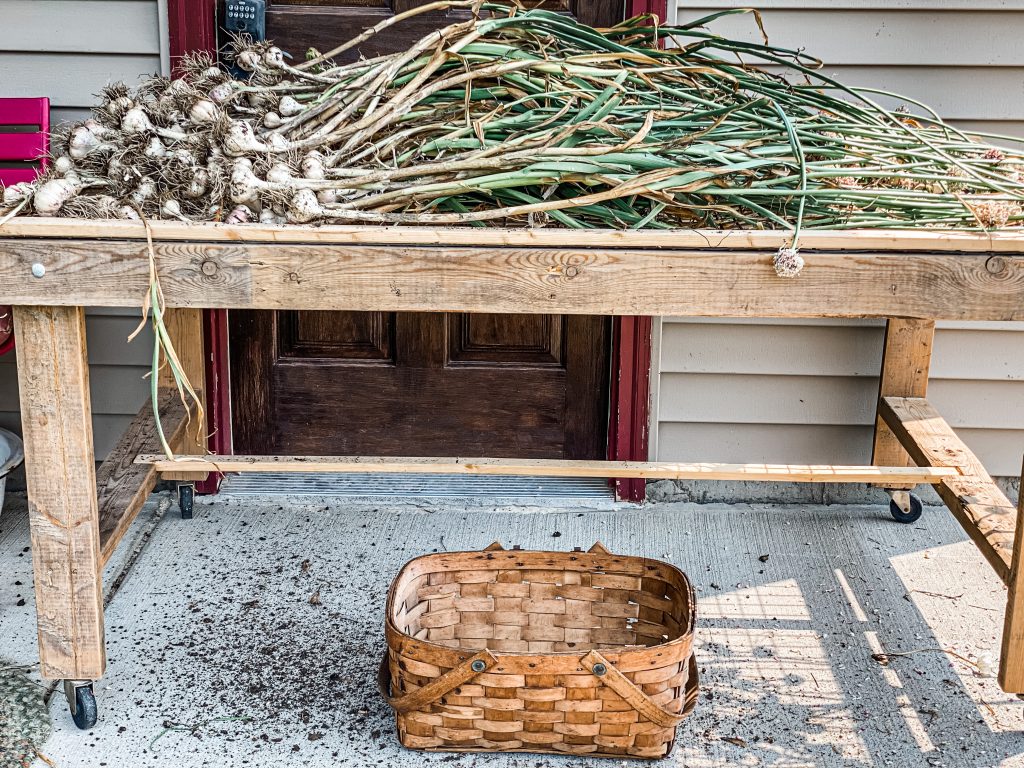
(24, 142)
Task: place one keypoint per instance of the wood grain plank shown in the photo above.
(185, 327)
(974, 499)
(913, 240)
(1011, 660)
(53, 376)
(906, 360)
(796, 473)
(565, 280)
(123, 484)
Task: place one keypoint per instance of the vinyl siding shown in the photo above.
(68, 50)
(804, 391)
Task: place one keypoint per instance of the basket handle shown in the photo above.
(635, 697)
(434, 690)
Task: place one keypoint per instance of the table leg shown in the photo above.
(185, 327)
(905, 362)
(1011, 662)
(56, 415)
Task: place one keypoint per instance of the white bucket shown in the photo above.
(11, 456)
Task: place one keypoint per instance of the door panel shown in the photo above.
(513, 340)
(322, 24)
(367, 337)
(414, 384)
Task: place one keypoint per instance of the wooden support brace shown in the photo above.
(125, 485)
(1011, 660)
(975, 500)
(906, 359)
(793, 473)
(60, 471)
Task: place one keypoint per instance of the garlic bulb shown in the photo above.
(63, 164)
(96, 128)
(204, 111)
(155, 149)
(274, 57)
(289, 106)
(119, 106)
(172, 208)
(240, 140)
(303, 207)
(277, 143)
(145, 190)
(248, 60)
(327, 196)
(82, 143)
(136, 120)
(788, 262)
(272, 120)
(51, 196)
(245, 185)
(313, 165)
(280, 173)
(15, 193)
(198, 185)
(241, 214)
(221, 93)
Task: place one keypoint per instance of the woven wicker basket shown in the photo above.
(584, 653)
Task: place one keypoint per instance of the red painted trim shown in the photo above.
(218, 391)
(191, 26)
(657, 7)
(629, 423)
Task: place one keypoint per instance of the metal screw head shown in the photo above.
(38, 270)
(478, 665)
(599, 669)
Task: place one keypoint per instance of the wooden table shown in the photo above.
(52, 269)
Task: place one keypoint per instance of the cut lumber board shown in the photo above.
(972, 496)
(124, 485)
(906, 359)
(518, 279)
(927, 240)
(1011, 660)
(794, 473)
(60, 472)
(185, 327)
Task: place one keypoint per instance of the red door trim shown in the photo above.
(629, 420)
(192, 26)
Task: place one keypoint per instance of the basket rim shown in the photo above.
(613, 654)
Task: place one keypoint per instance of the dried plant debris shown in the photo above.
(24, 718)
(517, 117)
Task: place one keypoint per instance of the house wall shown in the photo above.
(804, 391)
(68, 50)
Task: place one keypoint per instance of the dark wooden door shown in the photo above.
(415, 384)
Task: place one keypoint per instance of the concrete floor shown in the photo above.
(219, 657)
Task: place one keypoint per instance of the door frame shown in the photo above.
(192, 26)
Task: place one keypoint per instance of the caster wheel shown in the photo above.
(82, 702)
(906, 516)
(186, 496)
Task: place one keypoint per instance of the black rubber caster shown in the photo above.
(907, 516)
(186, 497)
(82, 703)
